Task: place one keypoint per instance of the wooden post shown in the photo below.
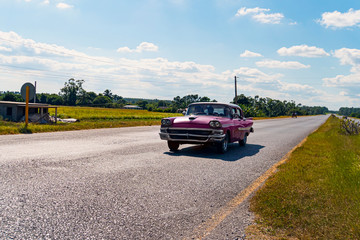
(27, 107)
(56, 115)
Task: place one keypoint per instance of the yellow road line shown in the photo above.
(209, 225)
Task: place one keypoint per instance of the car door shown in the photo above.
(237, 124)
(245, 125)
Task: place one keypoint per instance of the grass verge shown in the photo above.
(104, 114)
(265, 118)
(89, 118)
(316, 193)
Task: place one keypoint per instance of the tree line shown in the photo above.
(73, 94)
(268, 107)
(351, 112)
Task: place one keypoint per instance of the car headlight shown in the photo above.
(215, 124)
(165, 122)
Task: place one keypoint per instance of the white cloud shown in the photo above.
(274, 18)
(350, 57)
(64, 6)
(347, 57)
(124, 49)
(302, 51)
(259, 15)
(248, 53)
(343, 93)
(143, 47)
(279, 64)
(51, 65)
(246, 11)
(46, 2)
(147, 47)
(296, 87)
(5, 49)
(254, 75)
(340, 20)
(21, 46)
(352, 80)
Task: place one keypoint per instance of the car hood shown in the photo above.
(195, 121)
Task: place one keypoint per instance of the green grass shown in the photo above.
(316, 193)
(90, 118)
(264, 118)
(91, 114)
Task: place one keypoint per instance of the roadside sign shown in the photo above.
(27, 92)
(31, 91)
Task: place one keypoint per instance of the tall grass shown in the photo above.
(89, 113)
(316, 194)
(90, 118)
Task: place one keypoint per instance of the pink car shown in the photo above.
(205, 122)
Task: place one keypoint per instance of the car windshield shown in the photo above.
(209, 109)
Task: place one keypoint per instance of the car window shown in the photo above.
(241, 114)
(236, 113)
(209, 109)
(227, 112)
(233, 113)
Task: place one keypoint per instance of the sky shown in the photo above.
(307, 51)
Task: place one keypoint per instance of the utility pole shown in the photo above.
(35, 93)
(235, 90)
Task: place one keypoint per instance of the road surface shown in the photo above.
(125, 184)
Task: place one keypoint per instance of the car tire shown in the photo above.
(173, 146)
(223, 145)
(243, 141)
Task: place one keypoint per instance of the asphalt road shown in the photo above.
(125, 184)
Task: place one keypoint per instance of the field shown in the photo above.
(316, 193)
(89, 118)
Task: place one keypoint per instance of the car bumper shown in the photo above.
(192, 135)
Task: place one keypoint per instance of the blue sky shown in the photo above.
(307, 51)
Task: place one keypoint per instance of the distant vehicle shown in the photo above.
(294, 115)
(207, 123)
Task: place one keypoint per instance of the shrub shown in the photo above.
(349, 127)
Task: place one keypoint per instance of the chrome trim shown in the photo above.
(245, 129)
(215, 135)
(202, 129)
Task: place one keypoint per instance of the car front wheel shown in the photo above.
(174, 146)
(223, 145)
(243, 142)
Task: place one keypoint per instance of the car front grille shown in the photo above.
(190, 131)
(189, 134)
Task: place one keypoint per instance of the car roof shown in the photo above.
(216, 103)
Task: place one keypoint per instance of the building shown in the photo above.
(15, 111)
(132, 107)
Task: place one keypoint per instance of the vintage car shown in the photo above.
(207, 122)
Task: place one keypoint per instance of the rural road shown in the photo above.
(125, 184)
